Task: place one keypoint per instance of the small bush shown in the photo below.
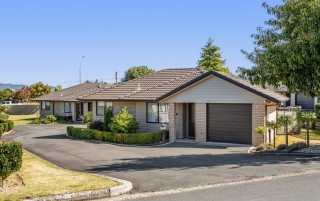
(4, 116)
(10, 159)
(296, 146)
(281, 147)
(124, 122)
(87, 118)
(7, 125)
(51, 118)
(264, 147)
(69, 130)
(3, 109)
(96, 125)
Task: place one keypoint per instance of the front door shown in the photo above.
(191, 120)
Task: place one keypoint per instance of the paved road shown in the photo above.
(297, 188)
(177, 165)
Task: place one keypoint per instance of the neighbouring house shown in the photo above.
(65, 103)
(306, 103)
(206, 106)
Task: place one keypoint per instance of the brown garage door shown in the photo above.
(230, 123)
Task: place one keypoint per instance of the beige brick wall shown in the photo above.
(201, 122)
(172, 122)
(258, 119)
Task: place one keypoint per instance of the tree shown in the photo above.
(284, 121)
(210, 58)
(287, 51)
(123, 122)
(107, 119)
(22, 95)
(5, 94)
(58, 88)
(273, 125)
(39, 89)
(306, 118)
(136, 72)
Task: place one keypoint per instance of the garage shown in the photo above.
(306, 103)
(231, 123)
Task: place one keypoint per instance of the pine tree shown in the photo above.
(210, 58)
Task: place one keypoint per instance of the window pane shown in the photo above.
(152, 112)
(100, 103)
(163, 113)
(67, 107)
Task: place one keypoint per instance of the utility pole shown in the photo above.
(116, 77)
(80, 68)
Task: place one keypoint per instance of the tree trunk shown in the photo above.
(308, 136)
(274, 138)
(287, 137)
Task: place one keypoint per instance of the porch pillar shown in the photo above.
(172, 122)
(73, 110)
(201, 122)
(292, 99)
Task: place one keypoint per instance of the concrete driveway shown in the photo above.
(155, 168)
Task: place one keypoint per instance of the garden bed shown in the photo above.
(121, 138)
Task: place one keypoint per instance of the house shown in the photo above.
(65, 103)
(206, 106)
(306, 103)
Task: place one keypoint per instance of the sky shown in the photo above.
(42, 40)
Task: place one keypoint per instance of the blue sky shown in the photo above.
(44, 40)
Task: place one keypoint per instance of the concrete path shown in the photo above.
(177, 165)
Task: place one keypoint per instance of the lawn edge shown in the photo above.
(126, 187)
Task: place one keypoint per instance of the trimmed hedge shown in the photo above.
(121, 138)
(5, 126)
(10, 158)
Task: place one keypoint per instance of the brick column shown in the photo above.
(201, 122)
(292, 99)
(172, 122)
(258, 119)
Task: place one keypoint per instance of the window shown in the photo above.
(101, 106)
(157, 112)
(89, 106)
(45, 105)
(67, 107)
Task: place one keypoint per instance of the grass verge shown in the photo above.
(22, 119)
(39, 178)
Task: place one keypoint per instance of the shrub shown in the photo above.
(124, 122)
(264, 147)
(96, 125)
(51, 118)
(3, 109)
(317, 110)
(122, 138)
(107, 119)
(7, 125)
(36, 121)
(296, 146)
(4, 116)
(87, 118)
(10, 159)
(281, 147)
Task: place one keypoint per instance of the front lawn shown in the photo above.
(38, 178)
(23, 119)
(314, 134)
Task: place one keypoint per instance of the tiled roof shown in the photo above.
(164, 83)
(72, 93)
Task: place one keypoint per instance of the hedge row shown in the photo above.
(5, 126)
(122, 138)
(10, 158)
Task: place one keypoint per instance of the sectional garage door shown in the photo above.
(230, 123)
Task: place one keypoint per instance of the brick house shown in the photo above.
(65, 103)
(192, 103)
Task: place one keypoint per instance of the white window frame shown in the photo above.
(105, 104)
(162, 109)
(45, 105)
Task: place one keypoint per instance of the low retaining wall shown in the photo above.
(23, 109)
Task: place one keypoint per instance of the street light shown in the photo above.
(80, 68)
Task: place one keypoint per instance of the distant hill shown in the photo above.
(11, 86)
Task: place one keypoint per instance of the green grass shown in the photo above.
(41, 178)
(22, 119)
(314, 134)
